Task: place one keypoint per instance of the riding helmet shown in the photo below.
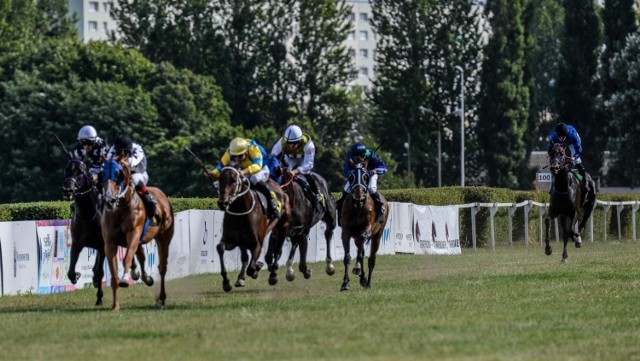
(358, 149)
(562, 130)
(238, 146)
(87, 133)
(293, 134)
(123, 143)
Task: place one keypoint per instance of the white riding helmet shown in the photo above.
(87, 133)
(293, 134)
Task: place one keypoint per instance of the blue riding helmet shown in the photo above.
(360, 149)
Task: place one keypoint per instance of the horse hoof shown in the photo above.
(135, 274)
(345, 287)
(240, 283)
(356, 271)
(149, 281)
(564, 260)
(160, 304)
(330, 270)
(273, 281)
(578, 244)
(547, 251)
(259, 265)
(226, 287)
(364, 284)
(291, 277)
(307, 275)
(123, 284)
(98, 303)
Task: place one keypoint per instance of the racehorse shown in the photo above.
(245, 223)
(85, 224)
(125, 224)
(567, 199)
(303, 218)
(358, 221)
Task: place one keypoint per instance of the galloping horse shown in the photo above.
(567, 199)
(245, 223)
(303, 218)
(358, 221)
(85, 224)
(124, 224)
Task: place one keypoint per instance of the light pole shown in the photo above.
(459, 68)
(407, 146)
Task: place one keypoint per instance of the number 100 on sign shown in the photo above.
(544, 177)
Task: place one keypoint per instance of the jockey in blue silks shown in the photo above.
(567, 136)
(358, 154)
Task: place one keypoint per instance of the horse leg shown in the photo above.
(244, 259)
(576, 234)
(98, 274)
(75, 252)
(565, 237)
(346, 244)
(330, 222)
(547, 247)
(226, 285)
(375, 244)
(142, 260)
(274, 251)
(134, 272)
(111, 252)
(163, 258)
(304, 245)
(290, 274)
(357, 269)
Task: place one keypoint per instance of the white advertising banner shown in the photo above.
(178, 264)
(401, 227)
(54, 241)
(19, 248)
(436, 230)
(203, 255)
(387, 245)
(232, 257)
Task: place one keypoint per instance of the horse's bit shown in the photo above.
(239, 192)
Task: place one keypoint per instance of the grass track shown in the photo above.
(511, 304)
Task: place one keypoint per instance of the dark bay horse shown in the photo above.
(358, 221)
(124, 220)
(85, 224)
(567, 200)
(303, 218)
(245, 224)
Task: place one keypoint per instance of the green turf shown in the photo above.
(511, 304)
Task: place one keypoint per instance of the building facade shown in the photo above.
(95, 22)
(361, 43)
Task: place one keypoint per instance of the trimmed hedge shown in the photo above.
(426, 196)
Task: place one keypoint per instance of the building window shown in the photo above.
(364, 53)
(365, 89)
(352, 53)
(105, 5)
(364, 17)
(364, 71)
(352, 17)
(93, 26)
(364, 35)
(375, 55)
(105, 25)
(351, 35)
(94, 6)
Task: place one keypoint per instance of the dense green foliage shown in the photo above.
(511, 304)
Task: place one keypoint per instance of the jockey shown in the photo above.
(298, 152)
(249, 156)
(91, 149)
(358, 154)
(568, 136)
(124, 146)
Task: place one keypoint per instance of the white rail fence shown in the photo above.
(528, 205)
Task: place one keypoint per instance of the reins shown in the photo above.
(239, 192)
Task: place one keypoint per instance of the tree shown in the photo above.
(624, 107)
(504, 104)
(578, 86)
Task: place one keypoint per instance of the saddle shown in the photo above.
(276, 196)
(306, 189)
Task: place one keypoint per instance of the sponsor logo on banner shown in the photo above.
(436, 230)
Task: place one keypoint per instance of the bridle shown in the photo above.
(558, 159)
(359, 179)
(72, 180)
(241, 187)
(112, 169)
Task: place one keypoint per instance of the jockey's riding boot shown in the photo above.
(380, 209)
(150, 206)
(583, 173)
(315, 193)
(271, 203)
(339, 206)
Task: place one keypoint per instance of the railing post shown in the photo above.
(591, 222)
(543, 209)
(510, 212)
(527, 207)
(634, 209)
(474, 212)
(618, 211)
(494, 210)
(606, 210)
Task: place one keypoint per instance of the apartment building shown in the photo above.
(95, 22)
(361, 43)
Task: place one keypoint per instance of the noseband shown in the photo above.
(359, 180)
(111, 169)
(240, 189)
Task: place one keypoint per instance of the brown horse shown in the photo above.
(245, 223)
(358, 221)
(123, 222)
(85, 224)
(303, 218)
(567, 200)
